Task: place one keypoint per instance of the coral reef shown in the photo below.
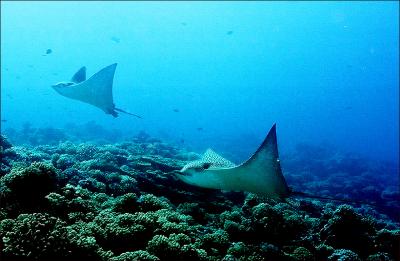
(323, 171)
(25, 189)
(120, 202)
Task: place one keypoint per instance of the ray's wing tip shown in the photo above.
(111, 67)
(272, 131)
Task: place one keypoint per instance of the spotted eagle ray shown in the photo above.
(261, 174)
(97, 90)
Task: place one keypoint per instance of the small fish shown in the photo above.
(3, 120)
(199, 129)
(115, 39)
(176, 110)
(229, 32)
(9, 96)
(48, 51)
(348, 108)
(184, 23)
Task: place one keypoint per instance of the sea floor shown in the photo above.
(120, 201)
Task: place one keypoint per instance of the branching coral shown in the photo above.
(38, 237)
(348, 229)
(25, 189)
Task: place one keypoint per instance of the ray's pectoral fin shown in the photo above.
(97, 90)
(264, 169)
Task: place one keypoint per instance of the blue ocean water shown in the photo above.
(213, 74)
(89, 186)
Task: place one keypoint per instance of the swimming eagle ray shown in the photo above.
(260, 174)
(96, 91)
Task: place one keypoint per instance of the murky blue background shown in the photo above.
(325, 72)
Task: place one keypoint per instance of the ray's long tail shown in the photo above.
(390, 209)
(121, 110)
(306, 195)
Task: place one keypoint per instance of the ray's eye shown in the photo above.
(201, 167)
(198, 169)
(206, 165)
